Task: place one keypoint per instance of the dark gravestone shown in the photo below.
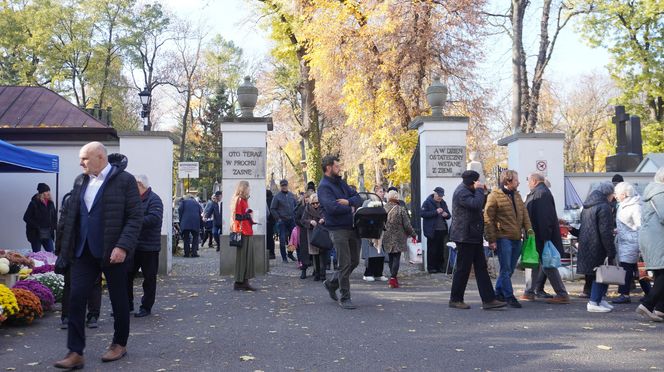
(629, 150)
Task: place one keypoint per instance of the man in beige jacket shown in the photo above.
(506, 222)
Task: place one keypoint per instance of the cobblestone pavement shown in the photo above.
(199, 323)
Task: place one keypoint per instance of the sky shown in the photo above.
(233, 19)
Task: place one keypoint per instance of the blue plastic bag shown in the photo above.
(550, 256)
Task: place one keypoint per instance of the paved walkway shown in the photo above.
(199, 323)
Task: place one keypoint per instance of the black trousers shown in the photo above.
(94, 300)
(374, 267)
(148, 262)
(655, 298)
(84, 273)
(189, 247)
(269, 238)
(395, 262)
(471, 255)
(437, 251)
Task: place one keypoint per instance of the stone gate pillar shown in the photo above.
(541, 153)
(244, 154)
(442, 149)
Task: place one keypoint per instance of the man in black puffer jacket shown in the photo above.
(100, 235)
(146, 256)
(467, 231)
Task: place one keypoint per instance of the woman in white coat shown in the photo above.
(628, 224)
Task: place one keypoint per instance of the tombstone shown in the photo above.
(476, 165)
(440, 156)
(244, 154)
(629, 145)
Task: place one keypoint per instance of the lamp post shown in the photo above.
(146, 98)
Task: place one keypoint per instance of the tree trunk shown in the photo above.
(183, 138)
(518, 6)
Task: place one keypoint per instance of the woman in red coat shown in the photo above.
(242, 221)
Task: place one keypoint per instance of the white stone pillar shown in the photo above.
(151, 153)
(542, 153)
(442, 142)
(244, 155)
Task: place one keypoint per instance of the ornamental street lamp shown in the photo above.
(146, 98)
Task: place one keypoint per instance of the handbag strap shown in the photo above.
(656, 211)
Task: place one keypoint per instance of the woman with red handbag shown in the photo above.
(241, 222)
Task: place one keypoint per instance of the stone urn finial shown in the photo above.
(247, 95)
(436, 96)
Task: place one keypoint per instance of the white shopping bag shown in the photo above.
(414, 251)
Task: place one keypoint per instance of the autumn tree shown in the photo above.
(632, 32)
(527, 84)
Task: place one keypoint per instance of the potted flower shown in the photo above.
(29, 306)
(7, 302)
(43, 292)
(55, 282)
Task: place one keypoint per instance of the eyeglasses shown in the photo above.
(315, 203)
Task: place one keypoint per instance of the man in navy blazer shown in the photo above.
(100, 233)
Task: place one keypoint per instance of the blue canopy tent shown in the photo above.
(572, 199)
(14, 159)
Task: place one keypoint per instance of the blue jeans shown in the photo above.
(38, 244)
(216, 231)
(508, 254)
(285, 229)
(597, 291)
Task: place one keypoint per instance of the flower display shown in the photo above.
(7, 301)
(43, 269)
(55, 282)
(16, 258)
(29, 306)
(43, 292)
(24, 273)
(43, 256)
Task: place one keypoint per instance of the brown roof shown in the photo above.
(39, 107)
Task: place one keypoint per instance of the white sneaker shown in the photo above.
(383, 278)
(659, 313)
(648, 314)
(368, 279)
(606, 305)
(593, 307)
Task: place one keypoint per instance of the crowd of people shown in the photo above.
(111, 223)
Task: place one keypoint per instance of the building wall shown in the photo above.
(582, 182)
(18, 188)
(150, 154)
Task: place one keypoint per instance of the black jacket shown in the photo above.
(153, 213)
(122, 214)
(542, 212)
(37, 216)
(595, 233)
(467, 215)
(430, 216)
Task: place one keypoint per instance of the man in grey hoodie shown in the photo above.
(283, 211)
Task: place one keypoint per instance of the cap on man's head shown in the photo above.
(469, 177)
(42, 187)
(283, 183)
(439, 191)
(617, 179)
(392, 188)
(218, 193)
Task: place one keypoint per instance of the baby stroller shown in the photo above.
(369, 220)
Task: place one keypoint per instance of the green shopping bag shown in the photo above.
(529, 255)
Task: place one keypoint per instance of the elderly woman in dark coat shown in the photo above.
(596, 242)
(397, 229)
(310, 218)
(303, 243)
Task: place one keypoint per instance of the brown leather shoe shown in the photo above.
(73, 360)
(113, 353)
(527, 297)
(459, 305)
(495, 304)
(558, 300)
